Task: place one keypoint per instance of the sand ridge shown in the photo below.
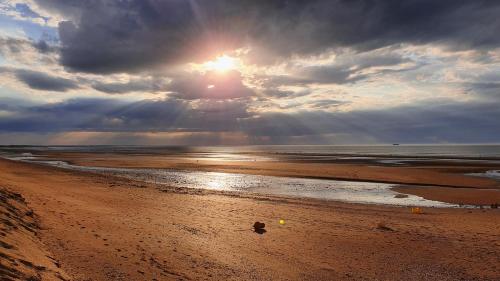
(22, 254)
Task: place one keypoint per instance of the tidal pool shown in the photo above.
(347, 191)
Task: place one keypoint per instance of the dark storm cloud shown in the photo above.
(455, 122)
(123, 36)
(54, 117)
(41, 81)
(106, 115)
(88, 114)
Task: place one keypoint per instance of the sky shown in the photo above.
(248, 72)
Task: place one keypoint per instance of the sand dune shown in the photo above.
(22, 254)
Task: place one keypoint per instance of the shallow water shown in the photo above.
(493, 174)
(347, 191)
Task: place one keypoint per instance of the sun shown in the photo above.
(222, 63)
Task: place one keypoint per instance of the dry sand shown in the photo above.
(104, 228)
(22, 256)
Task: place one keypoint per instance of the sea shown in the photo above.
(453, 151)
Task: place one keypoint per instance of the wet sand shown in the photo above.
(456, 187)
(105, 228)
(431, 174)
(460, 196)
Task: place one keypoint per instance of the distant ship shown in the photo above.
(395, 144)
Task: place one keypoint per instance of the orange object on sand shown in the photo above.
(416, 210)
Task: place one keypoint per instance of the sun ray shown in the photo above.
(222, 63)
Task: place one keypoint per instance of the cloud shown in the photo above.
(313, 71)
(109, 115)
(11, 45)
(25, 11)
(274, 92)
(43, 47)
(21, 11)
(17, 52)
(347, 67)
(210, 85)
(134, 35)
(445, 122)
(327, 103)
(42, 81)
(304, 76)
(179, 139)
(329, 75)
(134, 85)
(452, 122)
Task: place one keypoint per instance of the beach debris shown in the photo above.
(399, 195)
(382, 226)
(259, 227)
(416, 210)
(282, 222)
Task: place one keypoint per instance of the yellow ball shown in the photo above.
(282, 221)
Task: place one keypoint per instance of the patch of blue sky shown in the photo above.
(3, 62)
(27, 29)
(25, 11)
(9, 28)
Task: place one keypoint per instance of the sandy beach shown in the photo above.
(104, 228)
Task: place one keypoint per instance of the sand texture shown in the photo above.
(22, 254)
(105, 228)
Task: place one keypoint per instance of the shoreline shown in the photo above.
(293, 199)
(449, 183)
(431, 173)
(458, 196)
(489, 185)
